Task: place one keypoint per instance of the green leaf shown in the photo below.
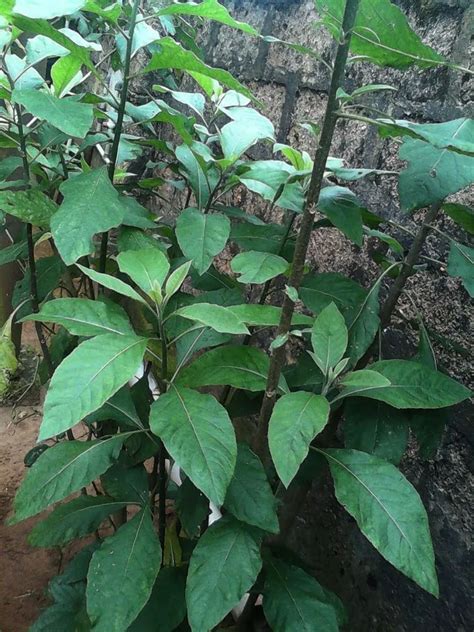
(147, 268)
(461, 264)
(258, 267)
(83, 317)
(318, 291)
(238, 366)
(246, 128)
(296, 420)
(376, 428)
(381, 34)
(110, 282)
(293, 601)
(62, 470)
(265, 315)
(135, 239)
(75, 519)
(87, 378)
(414, 385)
(249, 496)
(14, 252)
(364, 323)
(425, 353)
(210, 9)
(30, 206)
(388, 510)
(69, 116)
(46, 10)
(343, 210)
(192, 507)
(43, 28)
(166, 607)
(122, 574)
(48, 275)
(202, 237)
(462, 215)
(176, 279)
(174, 56)
(266, 238)
(223, 567)
(364, 379)
(202, 178)
(456, 135)
(63, 72)
(199, 436)
(431, 174)
(219, 318)
(428, 427)
(329, 338)
(91, 205)
(136, 215)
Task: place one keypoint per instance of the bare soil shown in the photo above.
(25, 570)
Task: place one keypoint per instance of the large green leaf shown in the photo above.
(318, 291)
(202, 237)
(293, 601)
(30, 206)
(122, 574)
(91, 205)
(329, 338)
(166, 607)
(265, 315)
(210, 9)
(83, 317)
(238, 366)
(376, 428)
(223, 567)
(173, 56)
(198, 434)
(67, 115)
(431, 174)
(296, 419)
(414, 385)
(219, 318)
(111, 283)
(249, 496)
(388, 510)
(343, 210)
(62, 470)
(246, 128)
(147, 268)
(87, 378)
(258, 267)
(381, 34)
(461, 264)
(75, 519)
(47, 10)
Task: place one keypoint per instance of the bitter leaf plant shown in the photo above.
(189, 395)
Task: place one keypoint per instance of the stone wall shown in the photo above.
(293, 89)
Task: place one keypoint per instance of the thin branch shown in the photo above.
(119, 124)
(302, 242)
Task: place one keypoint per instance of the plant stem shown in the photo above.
(410, 262)
(31, 249)
(162, 452)
(302, 242)
(118, 127)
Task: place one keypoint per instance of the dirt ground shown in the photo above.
(25, 571)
